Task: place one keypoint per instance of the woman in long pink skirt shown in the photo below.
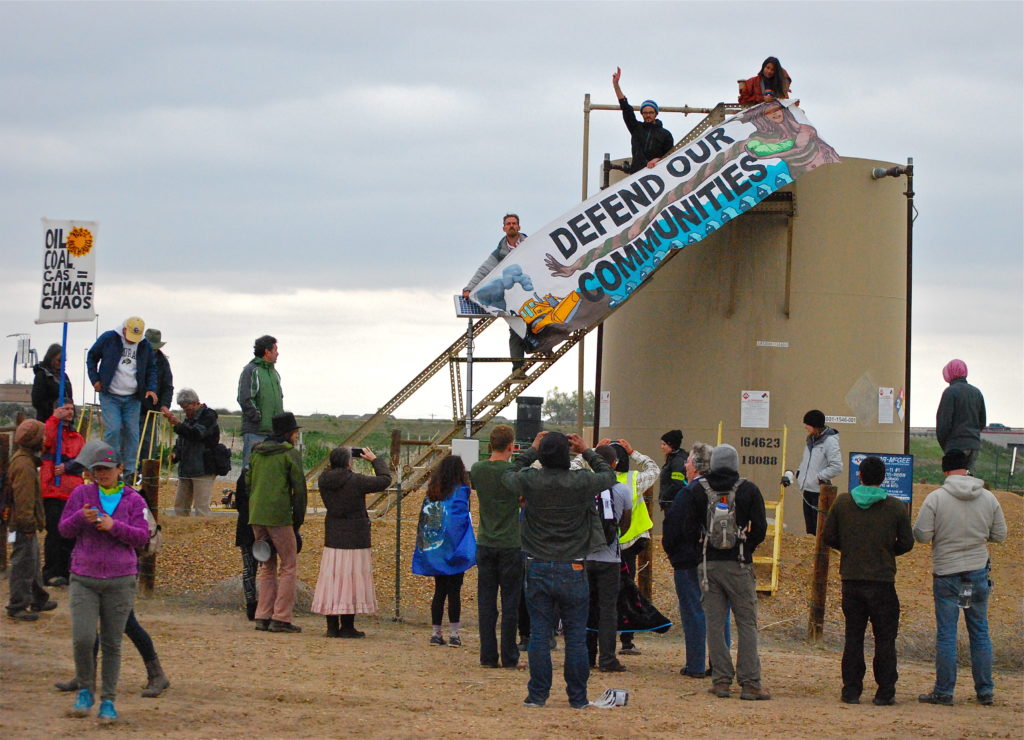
(344, 587)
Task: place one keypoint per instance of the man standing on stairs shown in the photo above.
(512, 239)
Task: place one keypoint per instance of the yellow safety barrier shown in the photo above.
(774, 512)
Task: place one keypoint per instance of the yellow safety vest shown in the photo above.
(640, 520)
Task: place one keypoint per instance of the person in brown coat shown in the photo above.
(27, 595)
(344, 587)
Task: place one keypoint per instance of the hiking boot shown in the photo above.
(107, 712)
(350, 632)
(71, 685)
(720, 689)
(851, 699)
(986, 700)
(156, 680)
(691, 674)
(629, 649)
(46, 607)
(454, 641)
(879, 701)
(754, 693)
(437, 640)
(931, 697)
(276, 625)
(83, 703)
(56, 581)
(23, 615)
(262, 625)
(615, 667)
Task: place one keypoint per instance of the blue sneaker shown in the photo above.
(83, 703)
(107, 711)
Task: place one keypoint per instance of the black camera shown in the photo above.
(357, 452)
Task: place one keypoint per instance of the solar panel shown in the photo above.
(466, 309)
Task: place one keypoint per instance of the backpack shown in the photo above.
(721, 532)
(156, 535)
(221, 459)
(606, 513)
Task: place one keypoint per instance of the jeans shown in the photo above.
(603, 619)
(139, 637)
(498, 568)
(810, 502)
(875, 601)
(26, 587)
(946, 590)
(56, 549)
(121, 426)
(561, 586)
(732, 584)
(447, 588)
(110, 601)
(250, 440)
(249, 564)
(691, 613)
(516, 349)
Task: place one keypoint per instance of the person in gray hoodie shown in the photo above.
(959, 519)
(822, 461)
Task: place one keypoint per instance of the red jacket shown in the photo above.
(71, 445)
(750, 90)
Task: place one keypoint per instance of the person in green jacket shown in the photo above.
(259, 394)
(277, 508)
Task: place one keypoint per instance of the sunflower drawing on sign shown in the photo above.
(79, 242)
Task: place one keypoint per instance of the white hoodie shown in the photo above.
(958, 519)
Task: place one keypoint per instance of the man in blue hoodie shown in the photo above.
(869, 529)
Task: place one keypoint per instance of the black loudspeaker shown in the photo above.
(528, 422)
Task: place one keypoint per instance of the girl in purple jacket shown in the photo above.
(107, 520)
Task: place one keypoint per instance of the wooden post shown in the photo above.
(644, 562)
(819, 580)
(396, 466)
(5, 456)
(151, 492)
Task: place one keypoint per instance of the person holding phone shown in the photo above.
(344, 586)
(108, 522)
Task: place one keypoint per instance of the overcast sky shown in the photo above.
(332, 173)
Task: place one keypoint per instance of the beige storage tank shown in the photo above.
(810, 307)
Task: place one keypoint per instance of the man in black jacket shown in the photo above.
(728, 577)
(870, 529)
(650, 141)
(164, 394)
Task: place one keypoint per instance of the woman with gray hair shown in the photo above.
(344, 587)
(198, 433)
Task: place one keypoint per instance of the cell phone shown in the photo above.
(357, 452)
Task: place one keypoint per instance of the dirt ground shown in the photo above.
(229, 681)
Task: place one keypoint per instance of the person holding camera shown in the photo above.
(198, 433)
(344, 586)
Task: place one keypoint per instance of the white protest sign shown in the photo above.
(69, 271)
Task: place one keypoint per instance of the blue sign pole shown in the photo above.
(60, 399)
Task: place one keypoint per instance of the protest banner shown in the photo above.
(69, 271)
(570, 274)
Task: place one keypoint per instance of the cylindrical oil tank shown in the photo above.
(807, 303)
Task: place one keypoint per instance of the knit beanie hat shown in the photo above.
(724, 458)
(814, 418)
(649, 104)
(29, 434)
(954, 460)
(954, 369)
(673, 438)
